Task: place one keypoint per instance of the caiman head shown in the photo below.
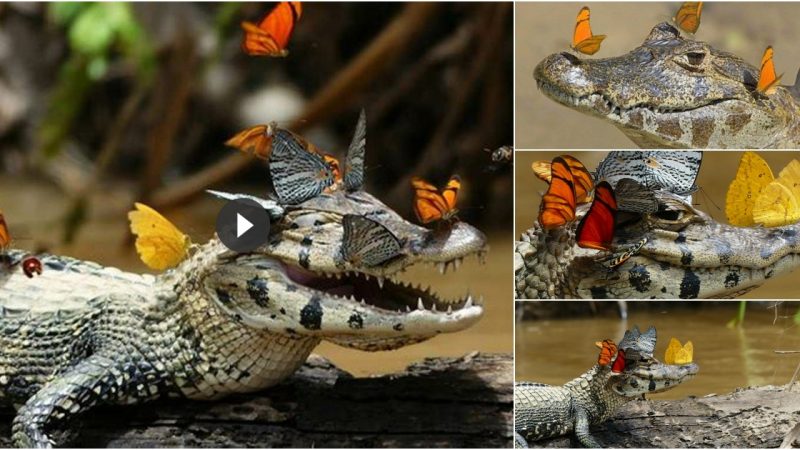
(329, 271)
(643, 373)
(672, 92)
(684, 254)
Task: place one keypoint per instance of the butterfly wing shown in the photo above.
(429, 205)
(333, 163)
(776, 206)
(623, 164)
(256, 140)
(619, 363)
(5, 235)
(618, 259)
(450, 193)
(688, 16)
(672, 350)
(767, 80)
(356, 153)
(542, 170)
(297, 173)
(272, 33)
(160, 244)
(674, 171)
(596, 229)
(367, 242)
(608, 350)
(584, 183)
(752, 177)
(632, 196)
(685, 354)
(558, 203)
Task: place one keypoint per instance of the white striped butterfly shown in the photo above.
(298, 172)
(367, 242)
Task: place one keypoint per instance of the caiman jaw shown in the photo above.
(653, 378)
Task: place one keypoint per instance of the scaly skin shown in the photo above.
(80, 335)
(542, 411)
(673, 92)
(690, 256)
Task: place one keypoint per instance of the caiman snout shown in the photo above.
(656, 377)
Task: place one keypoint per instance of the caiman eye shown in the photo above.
(692, 61)
(672, 216)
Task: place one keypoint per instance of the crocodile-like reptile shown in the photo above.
(542, 411)
(81, 335)
(685, 254)
(673, 92)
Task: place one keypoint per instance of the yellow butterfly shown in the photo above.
(752, 177)
(677, 353)
(779, 202)
(160, 244)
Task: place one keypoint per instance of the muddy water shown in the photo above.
(555, 351)
(716, 173)
(34, 211)
(543, 28)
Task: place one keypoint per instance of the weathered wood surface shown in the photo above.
(439, 402)
(758, 417)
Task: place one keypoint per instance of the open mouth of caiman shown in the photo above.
(386, 295)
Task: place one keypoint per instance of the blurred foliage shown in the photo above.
(97, 33)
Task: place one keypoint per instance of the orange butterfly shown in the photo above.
(688, 16)
(768, 80)
(334, 163)
(582, 38)
(558, 203)
(270, 36)
(257, 139)
(584, 183)
(5, 235)
(430, 204)
(608, 350)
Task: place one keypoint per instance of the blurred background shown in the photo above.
(104, 104)
(555, 340)
(544, 28)
(717, 171)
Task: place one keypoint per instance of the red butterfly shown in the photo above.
(596, 229)
(619, 363)
(271, 35)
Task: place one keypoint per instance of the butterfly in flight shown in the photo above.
(256, 140)
(768, 80)
(582, 38)
(688, 16)
(596, 228)
(678, 354)
(608, 350)
(559, 202)
(367, 242)
(582, 179)
(271, 35)
(431, 204)
(160, 244)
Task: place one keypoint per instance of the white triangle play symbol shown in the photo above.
(242, 225)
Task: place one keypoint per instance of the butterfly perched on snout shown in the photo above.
(768, 79)
(271, 35)
(299, 172)
(688, 16)
(256, 140)
(582, 38)
(432, 204)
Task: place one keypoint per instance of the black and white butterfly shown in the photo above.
(298, 173)
(367, 242)
(354, 164)
(674, 171)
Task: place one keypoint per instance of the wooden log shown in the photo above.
(755, 417)
(439, 402)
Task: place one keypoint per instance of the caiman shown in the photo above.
(542, 411)
(81, 335)
(673, 92)
(684, 254)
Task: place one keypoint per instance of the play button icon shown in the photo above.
(243, 225)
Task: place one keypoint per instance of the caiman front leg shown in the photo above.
(93, 381)
(582, 430)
